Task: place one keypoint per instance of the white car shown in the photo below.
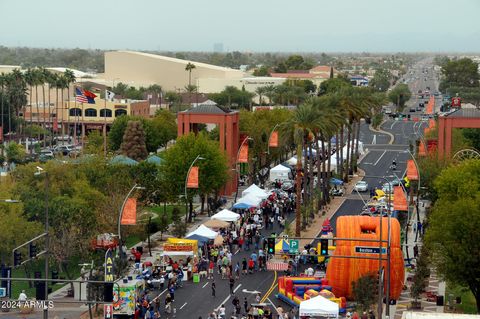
(361, 186)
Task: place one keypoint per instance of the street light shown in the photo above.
(198, 158)
(47, 239)
(248, 138)
(120, 246)
(418, 190)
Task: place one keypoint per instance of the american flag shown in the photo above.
(79, 96)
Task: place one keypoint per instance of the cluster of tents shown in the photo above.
(206, 231)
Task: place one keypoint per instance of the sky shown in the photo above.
(246, 25)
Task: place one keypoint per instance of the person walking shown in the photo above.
(213, 289)
(231, 283)
(415, 251)
(171, 290)
(245, 305)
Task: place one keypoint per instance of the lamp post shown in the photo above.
(120, 246)
(186, 180)
(418, 190)
(47, 239)
(248, 138)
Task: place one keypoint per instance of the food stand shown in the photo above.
(182, 251)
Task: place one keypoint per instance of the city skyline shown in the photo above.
(343, 26)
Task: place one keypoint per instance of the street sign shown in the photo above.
(109, 265)
(3, 292)
(293, 246)
(108, 311)
(370, 250)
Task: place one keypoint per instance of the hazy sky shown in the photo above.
(245, 25)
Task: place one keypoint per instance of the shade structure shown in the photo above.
(216, 224)
(412, 172)
(247, 202)
(226, 215)
(399, 199)
(279, 172)
(318, 307)
(123, 160)
(256, 191)
(154, 159)
(218, 241)
(199, 238)
(292, 161)
(203, 231)
(282, 246)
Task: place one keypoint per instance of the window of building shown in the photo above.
(105, 113)
(75, 112)
(120, 113)
(90, 113)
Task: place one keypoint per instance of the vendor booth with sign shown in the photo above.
(182, 251)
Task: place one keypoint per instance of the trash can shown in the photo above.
(196, 278)
(439, 300)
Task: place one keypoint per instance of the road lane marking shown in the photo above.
(374, 141)
(393, 124)
(205, 285)
(236, 251)
(378, 160)
(235, 290)
(274, 284)
(183, 306)
(223, 302)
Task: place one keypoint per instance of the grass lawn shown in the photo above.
(38, 265)
(468, 304)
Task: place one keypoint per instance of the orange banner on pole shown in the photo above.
(399, 199)
(432, 124)
(192, 180)
(273, 142)
(129, 216)
(243, 154)
(422, 150)
(412, 172)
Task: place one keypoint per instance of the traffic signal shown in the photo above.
(324, 247)
(32, 249)
(17, 258)
(271, 246)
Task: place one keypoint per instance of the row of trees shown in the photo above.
(312, 127)
(460, 76)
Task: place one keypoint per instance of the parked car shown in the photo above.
(361, 186)
(45, 155)
(412, 109)
(336, 192)
(62, 149)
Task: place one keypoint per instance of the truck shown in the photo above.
(125, 294)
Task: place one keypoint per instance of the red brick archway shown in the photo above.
(462, 118)
(228, 123)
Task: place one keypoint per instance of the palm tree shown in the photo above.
(298, 128)
(52, 83)
(37, 80)
(261, 90)
(45, 77)
(29, 78)
(3, 82)
(69, 78)
(270, 93)
(189, 67)
(16, 93)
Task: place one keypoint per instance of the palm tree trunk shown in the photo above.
(44, 116)
(329, 169)
(356, 146)
(298, 185)
(354, 129)
(310, 172)
(38, 113)
(347, 162)
(56, 111)
(342, 133)
(337, 151)
(63, 126)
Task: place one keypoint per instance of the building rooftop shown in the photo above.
(294, 75)
(464, 113)
(207, 109)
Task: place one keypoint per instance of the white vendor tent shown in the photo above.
(248, 201)
(203, 231)
(279, 172)
(256, 191)
(292, 161)
(226, 215)
(318, 307)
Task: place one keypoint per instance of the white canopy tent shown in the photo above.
(226, 215)
(256, 191)
(318, 307)
(250, 200)
(292, 161)
(203, 231)
(279, 172)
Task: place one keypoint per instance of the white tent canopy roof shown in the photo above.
(226, 215)
(250, 199)
(279, 172)
(255, 190)
(280, 168)
(204, 231)
(292, 160)
(319, 306)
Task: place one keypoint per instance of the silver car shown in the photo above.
(361, 186)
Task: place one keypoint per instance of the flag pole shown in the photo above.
(105, 126)
(75, 122)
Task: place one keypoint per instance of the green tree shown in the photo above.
(15, 152)
(189, 67)
(400, 95)
(261, 71)
(461, 73)
(365, 291)
(133, 143)
(165, 127)
(381, 80)
(94, 143)
(115, 136)
(453, 226)
(213, 172)
(333, 85)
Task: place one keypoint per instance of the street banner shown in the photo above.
(107, 311)
(192, 180)
(129, 216)
(399, 199)
(412, 172)
(456, 102)
(243, 154)
(109, 265)
(273, 142)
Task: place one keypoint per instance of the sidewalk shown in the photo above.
(434, 284)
